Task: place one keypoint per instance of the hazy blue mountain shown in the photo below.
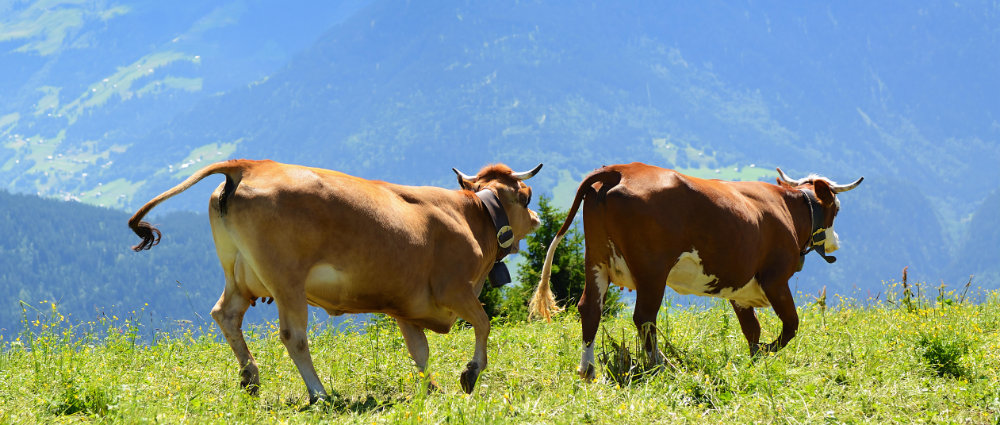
(81, 81)
(902, 93)
(979, 255)
(403, 92)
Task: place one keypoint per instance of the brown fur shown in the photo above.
(348, 245)
(651, 215)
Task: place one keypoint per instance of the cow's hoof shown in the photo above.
(770, 348)
(433, 387)
(469, 377)
(762, 350)
(250, 379)
(319, 400)
(587, 373)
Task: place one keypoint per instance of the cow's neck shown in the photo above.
(504, 236)
(817, 233)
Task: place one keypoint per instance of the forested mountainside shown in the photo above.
(104, 104)
(77, 256)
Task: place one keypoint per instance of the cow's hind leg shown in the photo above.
(784, 307)
(466, 305)
(591, 306)
(749, 324)
(416, 343)
(293, 319)
(228, 313)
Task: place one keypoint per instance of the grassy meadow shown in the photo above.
(899, 359)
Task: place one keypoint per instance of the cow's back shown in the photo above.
(351, 244)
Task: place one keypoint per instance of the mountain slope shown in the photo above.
(81, 80)
(77, 256)
(406, 91)
(403, 91)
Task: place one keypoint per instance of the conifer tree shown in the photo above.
(568, 268)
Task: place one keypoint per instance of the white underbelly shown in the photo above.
(686, 277)
(326, 288)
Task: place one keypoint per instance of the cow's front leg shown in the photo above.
(749, 325)
(466, 305)
(228, 313)
(416, 343)
(293, 319)
(781, 300)
(648, 299)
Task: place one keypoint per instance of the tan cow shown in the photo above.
(647, 228)
(309, 236)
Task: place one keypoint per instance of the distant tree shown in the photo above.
(568, 268)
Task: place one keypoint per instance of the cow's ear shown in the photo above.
(464, 184)
(465, 181)
(824, 191)
(783, 184)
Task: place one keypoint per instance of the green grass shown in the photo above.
(879, 363)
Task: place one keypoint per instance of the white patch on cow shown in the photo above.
(602, 280)
(749, 295)
(618, 271)
(588, 357)
(323, 275)
(832, 241)
(688, 277)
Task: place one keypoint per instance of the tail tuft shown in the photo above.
(543, 303)
(149, 234)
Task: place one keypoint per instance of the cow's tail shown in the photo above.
(150, 235)
(543, 303)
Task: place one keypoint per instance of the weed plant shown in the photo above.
(889, 360)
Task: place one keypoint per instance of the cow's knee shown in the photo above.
(221, 315)
(294, 339)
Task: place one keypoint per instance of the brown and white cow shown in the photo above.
(309, 236)
(647, 228)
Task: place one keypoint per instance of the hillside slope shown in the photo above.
(81, 81)
(403, 91)
(78, 257)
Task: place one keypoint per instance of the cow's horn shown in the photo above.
(525, 175)
(466, 177)
(845, 187)
(784, 177)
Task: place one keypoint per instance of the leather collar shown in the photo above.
(499, 275)
(817, 236)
